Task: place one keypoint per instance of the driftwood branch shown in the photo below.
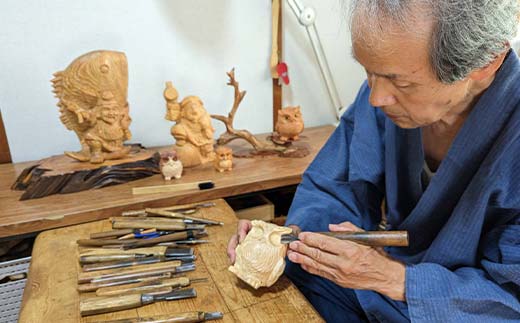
(231, 133)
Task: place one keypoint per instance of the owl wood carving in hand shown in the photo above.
(290, 123)
(260, 257)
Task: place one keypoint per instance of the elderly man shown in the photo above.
(435, 132)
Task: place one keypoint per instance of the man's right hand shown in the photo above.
(242, 229)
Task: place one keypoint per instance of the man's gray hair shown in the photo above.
(466, 35)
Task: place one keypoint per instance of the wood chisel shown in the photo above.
(154, 223)
(175, 215)
(184, 210)
(136, 271)
(104, 255)
(98, 305)
(188, 317)
(137, 243)
(369, 238)
(91, 287)
(183, 235)
(112, 233)
(148, 286)
(140, 261)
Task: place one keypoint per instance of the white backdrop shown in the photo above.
(192, 43)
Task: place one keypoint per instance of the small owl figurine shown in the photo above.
(223, 158)
(171, 166)
(289, 124)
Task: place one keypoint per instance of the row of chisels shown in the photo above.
(142, 260)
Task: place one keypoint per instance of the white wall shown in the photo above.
(193, 43)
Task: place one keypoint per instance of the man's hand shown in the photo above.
(349, 264)
(244, 226)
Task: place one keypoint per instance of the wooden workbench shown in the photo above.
(248, 175)
(50, 294)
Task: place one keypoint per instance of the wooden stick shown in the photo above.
(274, 44)
(169, 188)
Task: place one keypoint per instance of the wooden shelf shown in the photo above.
(248, 175)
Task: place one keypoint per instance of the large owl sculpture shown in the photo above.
(289, 124)
(260, 257)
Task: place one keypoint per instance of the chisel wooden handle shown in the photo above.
(144, 287)
(374, 238)
(104, 242)
(106, 258)
(369, 238)
(157, 268)
(110, 234)
(155, 251)
(164, 213)
(98, 305)
(146, 219)
(91, 287)
(148, 289)
(159, 225)
(183, 235)
(174, 215)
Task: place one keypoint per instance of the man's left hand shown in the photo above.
(349, 264)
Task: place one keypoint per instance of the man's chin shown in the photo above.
(404, 123)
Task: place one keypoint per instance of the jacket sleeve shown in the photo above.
(487, 294)
(345, 182)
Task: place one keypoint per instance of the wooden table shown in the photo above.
(50, 294)
(248, 175)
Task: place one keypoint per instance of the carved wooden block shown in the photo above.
(171, 166)
(223, 159)
(289, 124)
(260, 257)
(92, 93)
(192, 131)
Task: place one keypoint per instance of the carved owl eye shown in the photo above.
(257, 232)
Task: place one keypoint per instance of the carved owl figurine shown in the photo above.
(171, 166)
(290, 123)
(223, 158)
(260, 257)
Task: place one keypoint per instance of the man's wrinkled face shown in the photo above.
(401, 79)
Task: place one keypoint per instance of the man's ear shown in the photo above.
(490, 69)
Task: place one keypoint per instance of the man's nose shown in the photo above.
(380, 96)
